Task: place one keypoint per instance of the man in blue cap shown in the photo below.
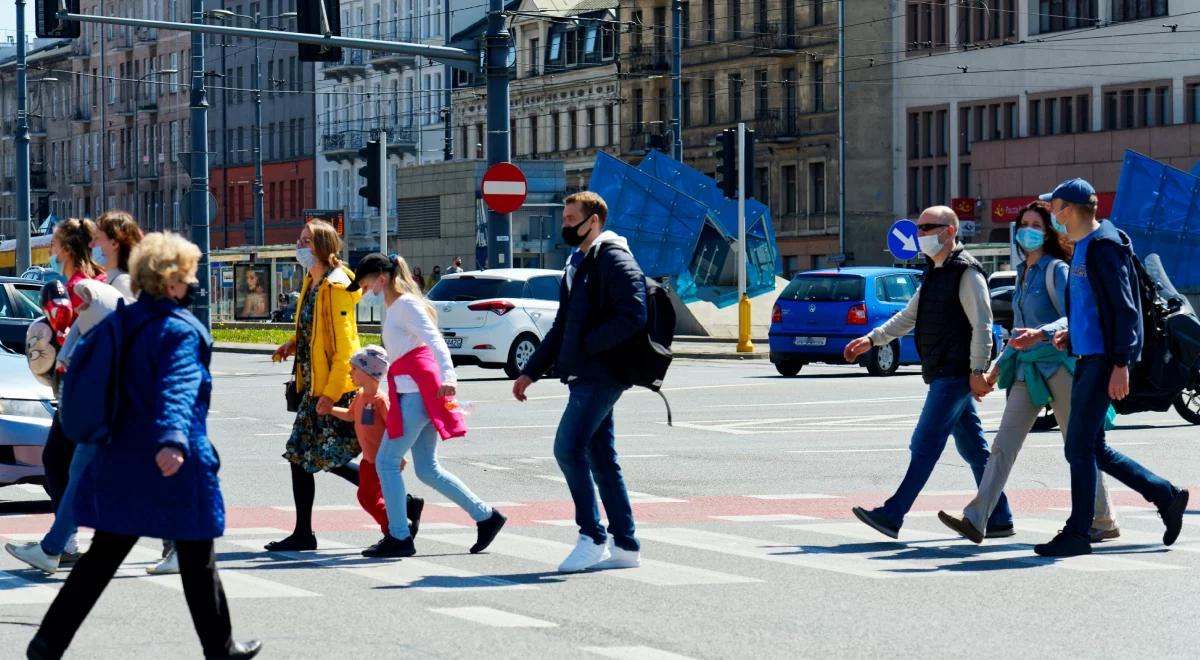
(1105, 321)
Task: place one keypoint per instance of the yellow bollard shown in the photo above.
(744, 343)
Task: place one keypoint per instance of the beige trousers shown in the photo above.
(1019, 417)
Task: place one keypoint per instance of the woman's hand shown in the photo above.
(1025, 338)
(447, 391)
(169, 460)
(324, 405)
(992, 376)
(284, 352)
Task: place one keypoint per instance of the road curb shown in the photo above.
(251, 349)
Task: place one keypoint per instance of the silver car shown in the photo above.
(26, 408)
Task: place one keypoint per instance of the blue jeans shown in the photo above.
(422, 439)
(63, 528)
(585, 448)
(1086, 448)
(949, 410)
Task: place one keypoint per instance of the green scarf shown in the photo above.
(1027, 362)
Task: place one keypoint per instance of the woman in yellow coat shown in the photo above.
(326, 336)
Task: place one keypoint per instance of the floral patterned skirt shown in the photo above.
(321, 442)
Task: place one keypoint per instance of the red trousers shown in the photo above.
(370, 493)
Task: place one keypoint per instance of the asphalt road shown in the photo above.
(743, 508)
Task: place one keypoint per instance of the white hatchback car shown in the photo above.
(496, 318)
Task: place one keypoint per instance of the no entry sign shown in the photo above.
(504, 188)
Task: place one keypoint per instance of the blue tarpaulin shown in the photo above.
(1159, 207)
(679, 225)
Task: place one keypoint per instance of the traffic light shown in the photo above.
(49, 26)
(748, 151)
(323, 17)
(727, 167)
(372, 173)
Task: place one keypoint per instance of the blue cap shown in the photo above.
(1073, 191)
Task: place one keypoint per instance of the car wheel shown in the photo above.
(884, 360)
(789, 369)
(1046, 421)
(518, 356)
(1188, 406)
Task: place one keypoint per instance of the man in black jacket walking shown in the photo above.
(602, 304)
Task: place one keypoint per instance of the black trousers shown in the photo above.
(56, 458)
(201, 586)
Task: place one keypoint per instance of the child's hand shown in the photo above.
(403, 464)
(324, 406)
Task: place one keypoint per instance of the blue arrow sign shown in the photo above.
(902, 240)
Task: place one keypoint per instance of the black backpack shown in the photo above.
(1160, 374)
(644, 359)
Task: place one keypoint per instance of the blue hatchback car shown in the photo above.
(823, 310)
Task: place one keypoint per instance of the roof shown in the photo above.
(860, 270)
(503, 273)
(584, 6)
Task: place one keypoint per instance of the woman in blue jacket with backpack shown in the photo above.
(1032, 370)
(155, 473)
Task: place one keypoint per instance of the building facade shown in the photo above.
(287, 132)
(369, 92)
(997, 104)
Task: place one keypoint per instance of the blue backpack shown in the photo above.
(89, 396)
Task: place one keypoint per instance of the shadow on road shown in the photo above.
(25, 507)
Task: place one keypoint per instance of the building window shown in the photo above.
(1193, 103)
(1110, 111)
(534, 53)
(925, 24)
(685, 117)
(818, 86)
(735, 18)
(710, 21)
(980, 22)
(710, 101)
(1035, 118)
(1059, 15)
(685, 25)
(943, 133)
(816, 188)
(533, 135)
(818, 11)
(788, 174)
(735, 96)
(639, 111)
(761, 95)
(1132, 10)
(964, 131)
(591, 128)
(964, 180)
(1162, 104)
(554, 124)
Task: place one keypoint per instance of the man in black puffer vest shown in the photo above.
(952, 317)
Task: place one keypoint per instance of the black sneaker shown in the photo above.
(375, 547)
(415, 506)
(293, 543)
(391, 546)
(1172, 516)
(239, 651)
(961, 526)
(1065, 544)
(69, 558)
(1000, 531)
(487, 531)
(876, 521)
(40, 649)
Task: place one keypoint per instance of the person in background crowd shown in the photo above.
(457, 267)
(419, 279)
(157, 475)
(952, 316)
(1032, 370)
(113, 238)
(422, 386)
(1106, 333)
(602, 303)
(434, 278)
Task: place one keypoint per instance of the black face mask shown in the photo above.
(571, 235)
(189, 297)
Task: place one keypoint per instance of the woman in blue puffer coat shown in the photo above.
(157, 475)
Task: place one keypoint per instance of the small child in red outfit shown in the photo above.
(369, 410)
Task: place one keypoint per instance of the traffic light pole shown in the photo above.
(744, 343)
(24, 257)
(495, 65)
(198, 200)
(677, 99)
(383, 192)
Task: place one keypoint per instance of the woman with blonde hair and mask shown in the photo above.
(422, 386)
(325, 340)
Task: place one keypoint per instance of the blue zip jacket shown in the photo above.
(602, 304)
(164, 401)
(1113, 278)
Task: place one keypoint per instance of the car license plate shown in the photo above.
(454, 342)
(810, 341)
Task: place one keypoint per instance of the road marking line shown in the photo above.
(1127, 536)
(769, 517)
(819, 403)
(411, 573)
(489, 466)
(253, 531)
(551, 477)
(792, 554)
(796, 496)
(238, 583)
(324, 507)
(641, 455)
(16, 590)
(32, 489)
(452, 505)
(492, 617)
(847, 451)
(633, 653)
(547, 552)
(443, 526)
(514, 428)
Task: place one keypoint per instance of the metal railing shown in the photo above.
(351, 57)
(772, 36)
(644, 60)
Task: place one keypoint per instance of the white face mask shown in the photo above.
(305, 257)
(374, 295)
(931, 245)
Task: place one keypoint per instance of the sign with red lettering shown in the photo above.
(1008, 209)
(964, 207)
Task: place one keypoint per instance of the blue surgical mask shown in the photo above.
(306, 257)
(1030, 239)
(1058, 226)
(372, 298)
(98, 256)
(55, 264)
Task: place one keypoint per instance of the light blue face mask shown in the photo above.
(55, 265)
(1030, 239)
(1058, 227)
(98, 256)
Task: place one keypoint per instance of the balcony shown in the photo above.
(81, 176)
(381, 61)
(149, 104)
(352, 65)
(122, 40)
(38, 180)
(644, 138)
(145, 35)
(776, 125)
(642, 60)
(344, 145)
(772, 39)
(81, 48)
(82, 115)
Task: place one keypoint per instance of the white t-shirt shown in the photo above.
(406, 326)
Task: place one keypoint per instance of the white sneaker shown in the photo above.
(168, 565)
(587, 553)
(31, 553)
(620, 558)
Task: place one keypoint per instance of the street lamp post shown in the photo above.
(137, 140)
(223, 14)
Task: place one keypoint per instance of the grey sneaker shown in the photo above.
(1099, 535)
(31, 553)
(168, 565)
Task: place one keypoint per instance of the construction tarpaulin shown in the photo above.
(1159, 207)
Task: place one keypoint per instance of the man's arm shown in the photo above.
(1115, 279)
(973, 295)
(899, 325)
(624, 292)
(546, 354)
